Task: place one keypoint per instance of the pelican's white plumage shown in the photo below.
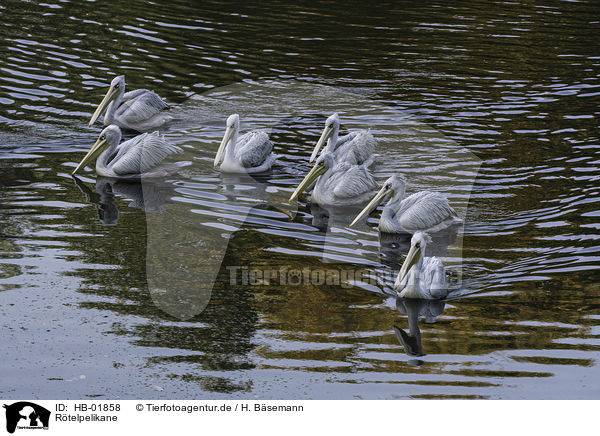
(356, 148)
(421, 277)
(250, 153)
(140, 110)
(139, 157)
(339, 183)
(423, 211)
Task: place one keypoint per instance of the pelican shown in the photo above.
(139, 157)
(421, 277)
(140, 110)
(423, 211)
(339, 183)
(355, 148)
(252, 153)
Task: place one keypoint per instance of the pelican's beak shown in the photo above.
(110, 96)
(226, 138)
(413, 256)
(317, 170)
(383, 194)
(98, 148)
(327, 132)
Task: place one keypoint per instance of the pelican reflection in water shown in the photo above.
(140, 110)
(414, 309)
(420, 276)
(250, 153)
(339, 183)
(149, 196)
(139, 157)
(355, 148)
(423, 211)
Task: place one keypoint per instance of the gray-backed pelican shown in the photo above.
(140, 110)
(250, 153)
(139, 157)
(355, 148)
(339, 183)
(420, 276)
(423, 211)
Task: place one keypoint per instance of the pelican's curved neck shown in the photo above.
(333, 172)
(319, 193)
(231, 145)
(416, 270)
(398, 195)
(104, 159)
(109, 115)
(333, 139)
(412, 285)
(413, 278)
(393, 205)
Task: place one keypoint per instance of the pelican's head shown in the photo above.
(327, 160)
(420, 239)
(117, 85)
(332, 125)
(109, 137)
(324, 162)
(333, 121)
(233, 126)
(396, 183)
(233, 121)
(112, 134)
(393, 185)
(417, 249)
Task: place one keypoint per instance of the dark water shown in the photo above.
(515, 83)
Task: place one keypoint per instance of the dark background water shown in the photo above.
(516, 83)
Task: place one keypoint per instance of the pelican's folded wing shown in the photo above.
(133, 94)
(150, 150)
(356, 147)
(253, 148)
(141, 107)
(343, 140)
(356, 181)
(125, 146)
(433, 276)
(424, 210)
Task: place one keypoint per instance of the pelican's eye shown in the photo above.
(418, 244)
(116, 86)
(103, 137)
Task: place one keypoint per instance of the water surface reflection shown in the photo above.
(514, 83)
